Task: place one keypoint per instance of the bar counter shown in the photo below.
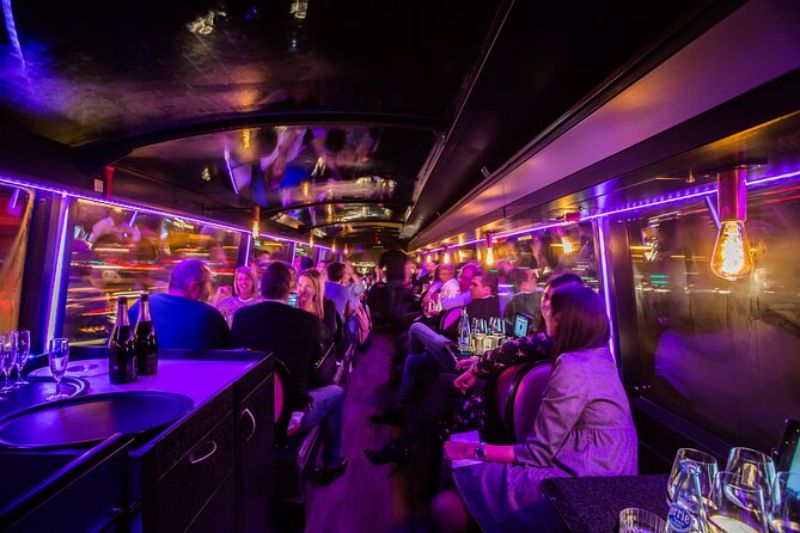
(207, 470)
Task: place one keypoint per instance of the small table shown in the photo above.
(592, 504)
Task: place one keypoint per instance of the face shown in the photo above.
(201, 290)
(446, 274)
(467, 273)
(305, 288)
(477, 289)
(244, 285)
(550, 322)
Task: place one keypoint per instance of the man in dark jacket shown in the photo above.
(293, 335)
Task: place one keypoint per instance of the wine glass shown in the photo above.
(756, 468)
(784, 513)
(22, 341)
(7, 361)
(706, 465)
(739, 506)
(633, 520)
(58, 358)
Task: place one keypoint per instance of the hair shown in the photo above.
(488, 279)
(565, 278)
(187, 272)
(451, 267)
(250, 273)
(306, 263)
(335, 271)
(277, 281)
(582, 319)
(319, 297)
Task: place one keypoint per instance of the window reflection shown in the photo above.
(721, 353)
(118, 252)
(15, 215)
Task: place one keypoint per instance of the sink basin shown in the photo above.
(91, 419)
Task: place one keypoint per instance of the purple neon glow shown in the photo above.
(139, 207)
(55, 293)
(606, 286)
(13, 36)
(227, 156)
(247, 244)
(713, 210)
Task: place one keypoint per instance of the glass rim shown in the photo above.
(707, 458)
(749, 451)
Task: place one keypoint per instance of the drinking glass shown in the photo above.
(756, 468)
(22, 341)
(58, 357)
(633, 520)
(784, 513)
(706, 464)
(739, 507)
(7, 361)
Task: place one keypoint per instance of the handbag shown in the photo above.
(324, 368)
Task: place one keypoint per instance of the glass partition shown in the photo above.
(16, 207)
(723, 354)
(118, 252)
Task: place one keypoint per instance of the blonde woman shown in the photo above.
(245, 292)
(310, 298)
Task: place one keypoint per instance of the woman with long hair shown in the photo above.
(583, 428)
(310, 298)
(245, 292)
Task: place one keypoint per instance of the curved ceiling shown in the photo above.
(359, 119)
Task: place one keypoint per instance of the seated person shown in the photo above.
(445, 288)
(468, 271)
(310, 299)
(293, 335)
(525, 299)
(245, 292)
(451, 391)
(334, 290)
(181, 317)
(306, 263)
(428, 351)
(583, 428)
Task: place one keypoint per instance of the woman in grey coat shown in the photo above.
(583, 428)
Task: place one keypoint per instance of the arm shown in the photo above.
(494, 453)
(536, 347)
(457, 301)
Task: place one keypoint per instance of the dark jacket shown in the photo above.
(293, 335)
(484, 308)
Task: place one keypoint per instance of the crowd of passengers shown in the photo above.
(583, 426)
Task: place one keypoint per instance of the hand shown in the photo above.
(464, 364)
(456, 451)
(465, 381)
(223, 292)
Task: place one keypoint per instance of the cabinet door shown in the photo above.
(254, 451)
(220, 512)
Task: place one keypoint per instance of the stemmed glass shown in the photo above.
(707, 469)
(21, 340)
(784, 513)
(738, 505)
(7, 361)
(58, 357)
(755, 468)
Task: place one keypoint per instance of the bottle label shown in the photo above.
(679, 519)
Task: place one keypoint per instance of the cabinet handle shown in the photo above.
(195, 460)
(253, 420)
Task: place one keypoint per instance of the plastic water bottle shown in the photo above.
(687, 510)
(464, 332)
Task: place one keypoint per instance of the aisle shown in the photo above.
(364, 499)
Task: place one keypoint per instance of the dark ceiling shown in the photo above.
(324, 113)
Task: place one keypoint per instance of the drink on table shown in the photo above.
(145, 339)
(122, 367)
(687, 510)
(464, 333)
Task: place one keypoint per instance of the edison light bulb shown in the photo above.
(446, 258)
(256, 229)
(489, 256)
(567, 245)
(731, 258)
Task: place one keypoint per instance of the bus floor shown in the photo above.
(365, 499)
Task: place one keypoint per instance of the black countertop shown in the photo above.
(592, 504)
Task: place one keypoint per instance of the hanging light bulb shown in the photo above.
(345, 250)
(256, 222)
(446, 256)
(732, 259)
(311, 240)
(333, 247)
(489, 250)
(568, 245)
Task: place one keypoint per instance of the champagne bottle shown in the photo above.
(121, 348)
(145, 339)
(464, 332)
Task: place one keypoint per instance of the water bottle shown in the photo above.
(464, 332)
(687, 509)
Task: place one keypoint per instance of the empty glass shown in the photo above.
(633, 520)
(58, 358)
(784, 513)
(706, 465)
(739, 507)
(7, 362)
(688, 509)
(22, 341)
(756, 468)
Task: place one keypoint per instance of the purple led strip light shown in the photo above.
(606, 287)
(141, 208)
(55, 290)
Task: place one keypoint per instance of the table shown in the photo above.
(592, 504)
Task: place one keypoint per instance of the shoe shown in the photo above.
(389, 417)
(389, 454)
(325, 476)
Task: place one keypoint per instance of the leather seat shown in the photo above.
(518, 396)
